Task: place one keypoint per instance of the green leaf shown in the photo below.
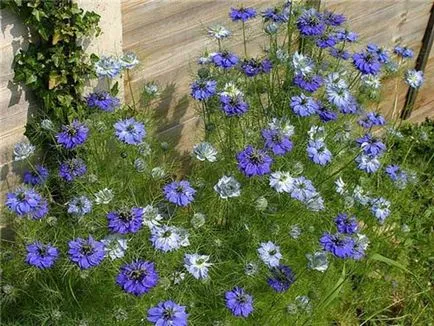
(115, 89)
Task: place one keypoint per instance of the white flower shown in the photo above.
(283, 125)
(231, 90)
(219, 32)
(340, 186)
(317, 133)
(198, 220)
(282, 55)
(104, 196)
(362, 241)
(317, 261)
(23, 150)
(178, 277)
(197, 265)
(281, 181)
(151, 89)
(270, 254)
(361, 196)
(261, 203)
(115, 246)
(315, 203)
(371, 81)
(205, 151)
(414, 78)
(228, 187)
(47, 124)
(302, 64)
(303, 302)
(295, 231)
(128, 60)
(151, 216)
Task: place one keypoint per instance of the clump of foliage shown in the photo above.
(299, 206)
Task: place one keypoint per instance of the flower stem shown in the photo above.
(244, 39)
(131, 90)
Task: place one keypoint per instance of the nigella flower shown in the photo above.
(338, 244)
(382, 54)
(218, 32)
(326, 114)
(151, 216)
(403, 52)
(309, 83)
(414, 78)
(179, 193)
(23, 150)
(380, 208)
(138, 277)
(72, 135)
(399, 177)
(253, 67)
(202, 90)
(225, 60)
(303, 106)
(281, 181)
(270, 254)
(339, 53)
(332, 19)
(168, 313)
(239, 302)
(104, 196)
(72, 169)
(205, 152)
(339, 96)
(302, 64)
(275, 141)
(108, 67)
(115, 246)
(340, 186)
(130, 131)
(368, 163)
(37, 177)
(251, 268)
(295, 231)
(372, 119)
(103, 101)
(326, 41)
(228, 187)
(317, 261)
(282, 125)
(367, 62)
(129, 60)
(318, 152)
(47, 124)
(281, 278)
(231, 89)
(197, 265)
(198, 220)
(371, 81)
(27, 202)
(360, 246)
(346, 224)
(315, 203)
(243, 14)
(303, 189)
(41, 255)
(346, 36)
(125, 220)
(310, 23)
(275, 15)
(168, 238)
(254, 162)
(370, 145)
(86, 253)
(79, 206)
(233, 106)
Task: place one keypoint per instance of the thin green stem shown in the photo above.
(131, 90)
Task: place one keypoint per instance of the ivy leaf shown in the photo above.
(56, 37)
(54, 80)
(30, 79)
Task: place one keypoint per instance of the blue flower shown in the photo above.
(318, 152)
(168, 238)
(367, 163)
(86, 253)
(128, 60)
(138, 277)
(380, 208)
(383, 55)
(325, 114)
(254, 162)
(253, 67)
(37, 177)
(414, 78)
(202, 90)
(370, 145)
(403, 52)
(179, 193)
(108, 67)
(346, 224)
(311, 23)
(339, 245)
(367, 62)
(224, 59)
(71, 169)
(270, 254)
(275, 15)
(79, 206)
(233, 105)
(346, 36)
(243, 14)
(239, 302)
(332, 19)
(72, 135)
(125, 221)
(303, 106)
(168, 313)
(303, 189)
(130, 131)
(41, 255)
(103, 101)
(27, 202)
(309, 83)
(372, 119)
(282, 278)
(326, 41)
(276, 141)
(339, 53)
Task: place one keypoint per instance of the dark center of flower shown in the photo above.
(167, 234)
(137, 274)
(71, 131)
(42, 251)
(86, 249)
(130, 128)
(125, 216)
(276, 138)
(21, 196)
(168, 313)
(272, 252)
(256, 157)
(179, 189)
(242, 298)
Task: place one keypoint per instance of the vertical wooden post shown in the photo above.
(421, 61)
